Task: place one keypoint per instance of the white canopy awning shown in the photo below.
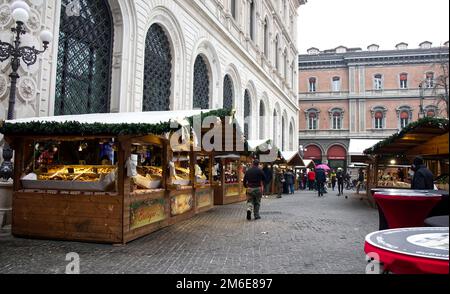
(307, 162)
(261, 144)
(289, 155)
(154, 117)
(357, 146)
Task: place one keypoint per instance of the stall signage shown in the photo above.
(203, 198)
(232, 190)
(420, 242)
(147, 212)
(181, 203)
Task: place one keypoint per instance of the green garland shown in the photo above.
(430, 122)
(73, 128)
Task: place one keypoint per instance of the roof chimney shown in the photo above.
(373, 47)
(313, 51)
(426, 45)
(402, 46)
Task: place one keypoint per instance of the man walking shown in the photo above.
(361, 179)
(321, 178)
(290, 181)
(254, 180)
(340, 177)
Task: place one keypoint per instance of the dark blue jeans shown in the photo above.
(292, 188)
(321, 188)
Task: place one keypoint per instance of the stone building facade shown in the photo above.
(347, 94)
(144, 55)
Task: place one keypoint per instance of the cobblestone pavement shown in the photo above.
(298, 234)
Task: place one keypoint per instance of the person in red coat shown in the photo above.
(311, 179)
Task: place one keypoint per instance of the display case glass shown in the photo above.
(149, 170)
(71, 165)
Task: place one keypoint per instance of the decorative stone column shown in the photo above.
(6, 189)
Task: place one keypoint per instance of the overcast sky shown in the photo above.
(327, 24)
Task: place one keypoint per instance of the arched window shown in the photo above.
(277, 55)
(83, 73)
(430, 80)
(312, 85)
(312, 116)
(252, 19)
(266, 38)
(404, 81)
(286, 66)
(379, 117)
(201, 84)
(293, 74)
(228, 93)
(404, 116)
(431, 111)
(233, 8)
(262, 115)
(337, 117)
(283, 134)
(336, 84)
(157, 70)
(247, 113)
(378, 82)
(291, 137)
(275, 128)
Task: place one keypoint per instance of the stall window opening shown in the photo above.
(149, 170)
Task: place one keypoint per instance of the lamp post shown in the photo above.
(302, 151)
(422, 97)
(20, 12)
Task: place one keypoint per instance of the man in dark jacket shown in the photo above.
(321, 178)
(254, 180)
(290, 181)
(268, 174)
(340, 180)
(423, 177)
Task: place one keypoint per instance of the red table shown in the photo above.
(411, 250)
(406, 209)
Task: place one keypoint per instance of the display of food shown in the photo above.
(89, 178)
(149, 177)
(182, 176)
(393, 184)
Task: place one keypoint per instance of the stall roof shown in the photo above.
(357, 146)
(292, 158)
(140, 123)
(153, 117)
(308, 162)
(428, 136)
(253, 145)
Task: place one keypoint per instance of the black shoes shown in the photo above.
(249, 215)
(257, 217)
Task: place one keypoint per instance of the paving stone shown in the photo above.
(297, 234)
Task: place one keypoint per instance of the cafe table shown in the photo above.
(410, 250)
(406, 209)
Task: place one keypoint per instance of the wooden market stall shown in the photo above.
(108, 178)
(428, 137)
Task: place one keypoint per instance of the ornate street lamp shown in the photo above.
(20, 12)
(302, 151)
(422, 97)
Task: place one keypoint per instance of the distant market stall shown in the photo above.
(390, 159)
(108, 178)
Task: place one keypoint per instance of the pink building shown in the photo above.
(349, 96)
